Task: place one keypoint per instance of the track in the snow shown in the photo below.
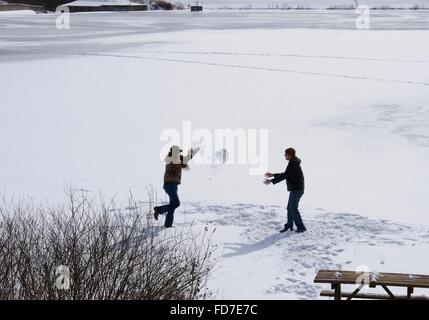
(286, 55)
(321, 74)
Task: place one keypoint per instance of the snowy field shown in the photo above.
(86, 107)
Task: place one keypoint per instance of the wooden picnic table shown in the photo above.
(371, 279)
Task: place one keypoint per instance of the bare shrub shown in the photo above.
(110, 253)
(162, 5)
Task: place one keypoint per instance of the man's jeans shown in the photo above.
(293, 215)
(171, 189)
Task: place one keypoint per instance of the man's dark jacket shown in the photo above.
(293, 175)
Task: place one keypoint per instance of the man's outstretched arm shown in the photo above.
(278, 177)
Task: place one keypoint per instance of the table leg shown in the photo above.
(337, 292)
(391, 295)
(410, 290)
(355, 292)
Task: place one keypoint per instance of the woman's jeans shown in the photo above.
(293, 215)
(171, 189)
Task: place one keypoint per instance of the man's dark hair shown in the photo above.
(290, 152)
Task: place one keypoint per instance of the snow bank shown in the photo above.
(17, 12)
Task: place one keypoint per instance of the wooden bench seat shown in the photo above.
(374, 296)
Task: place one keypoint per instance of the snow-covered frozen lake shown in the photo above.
(89, 30)
(87, 106)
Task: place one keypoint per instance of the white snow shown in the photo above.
(86, 106)
(16, 12)
(257, 262)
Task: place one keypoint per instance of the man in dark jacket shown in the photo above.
(295, 185)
